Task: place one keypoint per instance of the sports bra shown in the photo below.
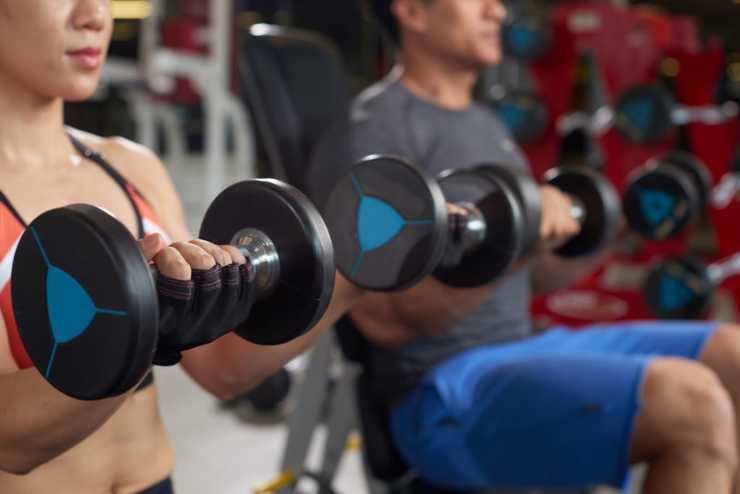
(12, 227)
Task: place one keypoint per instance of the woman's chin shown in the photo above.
(78, 93)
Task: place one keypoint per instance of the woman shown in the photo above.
(52, 51)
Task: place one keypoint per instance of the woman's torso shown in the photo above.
(130, 451)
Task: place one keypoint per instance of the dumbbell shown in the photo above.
(644, 114)
(527, 36)
(683, 288)
(85, 301)
(648, 113)
(393, 225)
(596, 205)
(523, 112)
(666, 195)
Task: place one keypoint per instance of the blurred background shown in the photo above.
(191, 80)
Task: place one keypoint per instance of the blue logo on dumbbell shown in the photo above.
(522, 39)
(513, 116)
(70, 308)
(378, 223)
(657, 206)
(639, 113)
(674, 293)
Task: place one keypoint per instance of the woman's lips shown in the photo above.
(86, 58)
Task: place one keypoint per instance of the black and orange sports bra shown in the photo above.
(12, 227)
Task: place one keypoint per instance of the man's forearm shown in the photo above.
(550, 273)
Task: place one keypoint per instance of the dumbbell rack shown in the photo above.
(210, 73)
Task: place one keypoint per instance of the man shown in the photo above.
(476, 400)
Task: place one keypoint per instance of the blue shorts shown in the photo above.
(555, 410)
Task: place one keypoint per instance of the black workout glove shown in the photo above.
(195, 312)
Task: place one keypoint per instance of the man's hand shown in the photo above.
(558, 224)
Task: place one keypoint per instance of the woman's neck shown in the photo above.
(32, 133)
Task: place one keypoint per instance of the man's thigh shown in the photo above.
(556, 410)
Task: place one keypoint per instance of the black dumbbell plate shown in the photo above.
(85, 303)
(295, 227)
(388, 221)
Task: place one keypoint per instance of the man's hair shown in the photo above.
(381, 11)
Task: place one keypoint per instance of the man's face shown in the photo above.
(468, 31)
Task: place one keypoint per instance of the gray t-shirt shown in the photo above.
(387, 118)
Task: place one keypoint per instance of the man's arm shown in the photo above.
(550, 273)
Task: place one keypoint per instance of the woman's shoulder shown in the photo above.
(137, 164)
(141, 167)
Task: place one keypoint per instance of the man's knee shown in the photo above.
(722, 354)
(686, 406)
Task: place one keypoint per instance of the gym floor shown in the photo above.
(217, 453)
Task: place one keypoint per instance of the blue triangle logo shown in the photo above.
(522, 38)
(378, 223)
(657, 206)
(71, 310)
(513, 116)
(639, 113)
(674, 293)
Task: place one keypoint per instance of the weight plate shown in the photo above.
(304, 250)
(678, 288)
(85, 302)
(503, 240)
(601, 205)
(527, 192)
(527, 38)
(697, 170)
(388, 221)
(659, 201)
(525, 115)
(644, 114)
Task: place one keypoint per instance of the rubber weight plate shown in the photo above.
(696, 170)
(527, 192)
(527, 37)
(85, 302)
(304, 250)
(601, 204)
(659, 201)
(388, 221)
(678, 288)
(503, 240)
(524, 114)
(644, 114)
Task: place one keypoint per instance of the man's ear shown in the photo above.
(411, 15)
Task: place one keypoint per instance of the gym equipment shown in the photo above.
(683, 288)
(595, 205)
(86, 305)
(523, 112)
(645, 114)
(527, 37)
(648, 113)
(666, 195)
(392, 225)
